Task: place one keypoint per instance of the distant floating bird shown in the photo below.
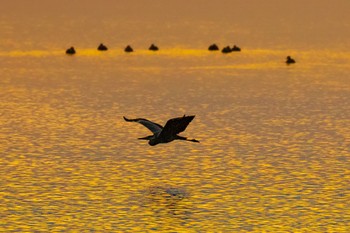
(128, 49)
(102, 47)
(290, 60)
(226, 49)
(167, 133)
(70, 51)
(213, 47)
(235, 48)
(153, 47)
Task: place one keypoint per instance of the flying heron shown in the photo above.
(167, 133)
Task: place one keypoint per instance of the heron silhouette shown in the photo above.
(167, 133)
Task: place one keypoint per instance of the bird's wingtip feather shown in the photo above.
(189, 116)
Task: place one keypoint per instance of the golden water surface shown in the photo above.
(274, 153)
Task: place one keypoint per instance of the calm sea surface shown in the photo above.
(275, 139)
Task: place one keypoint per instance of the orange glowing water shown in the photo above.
(274, 153)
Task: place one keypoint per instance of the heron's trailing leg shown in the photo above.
(186, 139)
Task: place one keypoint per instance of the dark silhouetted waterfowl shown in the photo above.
(102, 47)
(128, 49)
(227, 49)
(167, 133)
(290, 60)
(235, 48)
(213, 47)
(153, 48)
(70, 51)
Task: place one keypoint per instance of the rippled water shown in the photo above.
(274, 152)
(275, 139)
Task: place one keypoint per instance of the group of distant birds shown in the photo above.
(213, 47)
(102, 47)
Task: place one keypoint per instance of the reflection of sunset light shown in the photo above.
(33, 53)
(274, 152)
(201, 59)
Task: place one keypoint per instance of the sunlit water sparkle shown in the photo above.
(274, 151)
(275, 139)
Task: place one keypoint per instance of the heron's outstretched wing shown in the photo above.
(154, 127)
(176, 125)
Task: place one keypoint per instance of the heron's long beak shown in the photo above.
(192, 140)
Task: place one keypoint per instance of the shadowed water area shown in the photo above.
(275, 138)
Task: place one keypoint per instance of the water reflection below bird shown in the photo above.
(167, 200)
